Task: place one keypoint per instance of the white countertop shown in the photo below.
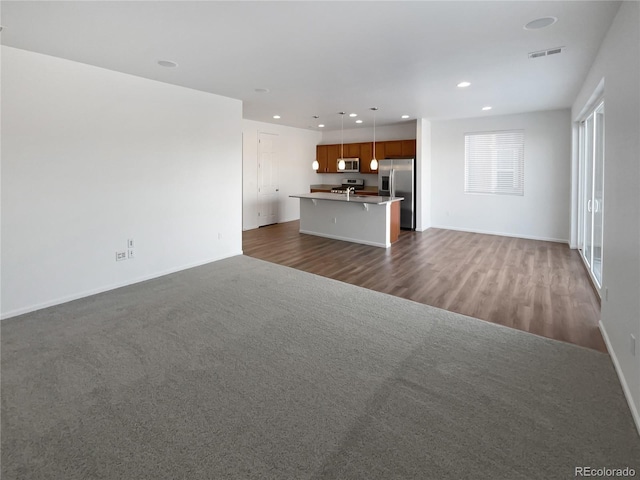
(353, 198)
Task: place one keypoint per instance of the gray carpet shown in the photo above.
(242, 369)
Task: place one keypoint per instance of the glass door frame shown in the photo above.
(588, 205)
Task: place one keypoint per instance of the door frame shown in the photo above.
(587, 257)
(259, 184)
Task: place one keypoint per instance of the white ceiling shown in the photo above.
(319, 58)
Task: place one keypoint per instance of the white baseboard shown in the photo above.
(625, 387)
(346, 239)
(291, 219)
(502, 234)
(106, 288)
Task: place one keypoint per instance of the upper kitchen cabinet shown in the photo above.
(333, 154)
(366, 154)
(399, 148)
(392, 149)
(380, 150)
(352, 150)
(327, 156)
(409, 148)
(322, 157)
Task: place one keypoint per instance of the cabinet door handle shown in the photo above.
(588, 205)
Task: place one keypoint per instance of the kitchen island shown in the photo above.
(367, 219)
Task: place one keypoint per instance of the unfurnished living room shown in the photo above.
(320, 239)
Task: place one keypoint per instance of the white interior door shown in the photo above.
(268, 189)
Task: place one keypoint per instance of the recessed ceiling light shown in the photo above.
(321, 125)
(167, 63)
(353, 114)
(539, 23)
(487, 108)
(405, 116)
(261, 90)
(276, 117)
(358, 121)
(463, 84)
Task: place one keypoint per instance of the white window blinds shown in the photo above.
(494, 162)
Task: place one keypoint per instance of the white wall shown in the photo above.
(543, 212)
(400, 131)
(92, 157)
(296, 151)
(618, 63)
(423, 173)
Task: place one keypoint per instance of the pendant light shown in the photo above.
(374, 162)
(315, 165)
(341, 163)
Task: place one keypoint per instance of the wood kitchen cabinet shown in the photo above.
(352, 150)
(328, 155)
(380, 151)
(366, 154)
(321, 157)
(396, 149)
(399, 148)
(333, 153)
(408, 148)
(392, 149)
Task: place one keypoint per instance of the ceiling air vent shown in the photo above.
(545, 53)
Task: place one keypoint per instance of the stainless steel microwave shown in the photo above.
(350, 165)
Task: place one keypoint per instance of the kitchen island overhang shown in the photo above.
(367, 219)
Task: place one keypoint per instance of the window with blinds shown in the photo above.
(494, 162)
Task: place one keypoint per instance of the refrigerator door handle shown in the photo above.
(392, 187)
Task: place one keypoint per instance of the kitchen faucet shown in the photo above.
(349, 190)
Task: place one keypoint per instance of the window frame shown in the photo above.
(490, 161)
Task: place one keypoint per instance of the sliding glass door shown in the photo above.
(592, 191)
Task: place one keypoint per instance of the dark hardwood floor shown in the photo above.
(535, 286)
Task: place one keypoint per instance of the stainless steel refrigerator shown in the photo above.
(397, 178)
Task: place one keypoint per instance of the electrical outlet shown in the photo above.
(130, 243)
(121, 256)
(130, 253)
(335, 220)
(633, 345)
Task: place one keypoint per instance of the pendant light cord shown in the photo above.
(374, 134)
(342, 138)
(374, 162)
